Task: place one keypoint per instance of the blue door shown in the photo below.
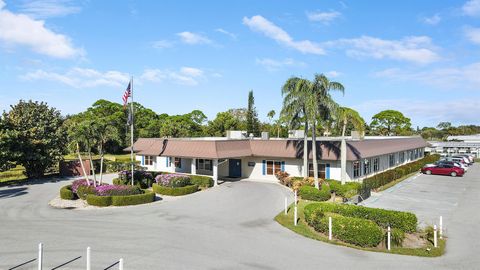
(234, 167)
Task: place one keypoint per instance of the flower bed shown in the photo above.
(174, 191)
(173, 180)
(141, 179)
(117, 190)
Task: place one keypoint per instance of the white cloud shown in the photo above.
(465, 77)
(473, 34)
(471, 8)
(260, 24)
(333, 74)
(416, 49)
(162, 44)
(434, 20)
(185, 76)
(223, 31)
(19, 29)
(49, 8)
(81, 77)
(273, 65)
(425, 112)
(324, 17)
(193, 38)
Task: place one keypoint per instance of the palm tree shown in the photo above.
(295, 92)
(345, 116)
(104, 132)
(75, 137)
(320, 107)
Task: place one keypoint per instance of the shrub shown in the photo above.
(141, 179)
(80, 182)
(66, 193)
(118, 165)
(201, 181)
(283, 177)
(384, 218)
(117, 181)
(172, 180)
(348, 190)
(357, 231)
(313, 194)
(397, 237)
(146, 197)
(83, 191)
(174, 191)
(117, 190)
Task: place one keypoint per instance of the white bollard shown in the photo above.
(40, 256)
(295, 216)
(330, 228)
(88, 258)
(389, 236)
(295, 198)
(441, 227)
(120, 264)
(435, 235)
(286, 205)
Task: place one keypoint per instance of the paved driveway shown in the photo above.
(227, 227)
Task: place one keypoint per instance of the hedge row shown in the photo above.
(66, 193)
(357, 231)
(396, 219)
(201, 181)
(347, 190)
(147, 197)
(174, 191)
(83, 191)
(313, 194)
(386, 177)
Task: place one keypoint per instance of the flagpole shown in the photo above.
(131, 129)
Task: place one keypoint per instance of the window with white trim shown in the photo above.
(321, 170)
(178, 162)
(356, 169)
(401, 157)
(367, 166)
(391, 160)
(273, 166)
(148, 160)
(376, 164)
(204, 164)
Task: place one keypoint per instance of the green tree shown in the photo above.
(223, 122)
(390, 123)
(36, 137)
(104, 132)
(444, 125)
(252, 117)
(7, 139)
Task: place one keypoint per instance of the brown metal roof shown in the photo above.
(326, 150)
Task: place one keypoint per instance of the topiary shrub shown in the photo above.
(174, 191)
(83, 191)
(313, 194)
(102, 201)
(66, 193)
(384, 218)
(147, 197)
(201, 181)
(117, 190)
(348, 190)
(357, 231)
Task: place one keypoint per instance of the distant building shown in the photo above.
(463, 144)
(236, 156)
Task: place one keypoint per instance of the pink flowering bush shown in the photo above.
(80, 182)
(172, 180)
(117, 190)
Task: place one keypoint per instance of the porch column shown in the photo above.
(172, 164)
(194, 166)
(215, 171)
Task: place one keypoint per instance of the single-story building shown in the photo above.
(260, 158)
(463, 144)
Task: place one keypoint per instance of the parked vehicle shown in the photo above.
(460, 165)
(460, 160)
(444, 169)
(465, 159)
(470, 157)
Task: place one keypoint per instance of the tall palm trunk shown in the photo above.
(305, 151)
(101, 164)
(81, 165)
(92, 168)
(343, 154)
(314, 153)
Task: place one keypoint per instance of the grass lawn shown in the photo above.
(12, 175)
(302, 228)
(111, 157)
(393, 183)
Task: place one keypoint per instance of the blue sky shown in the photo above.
(419, 57)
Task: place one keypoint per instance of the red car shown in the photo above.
(445, 169)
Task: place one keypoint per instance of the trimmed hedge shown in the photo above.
(201, 181)
(66, 193)
(357, 231)
(348, 190)
(386, 177)
(83, 191)
(174, 191)
(103, 201)
(401, 220)
(313, 194)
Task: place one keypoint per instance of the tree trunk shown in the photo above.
(92, 168)
(101, 168)
(81, 165)
(305, 151)
(343, 154)
(314, 153)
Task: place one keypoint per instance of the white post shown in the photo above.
(40, 256)
(295, 216)
(194, 166)
(120, 264)
(215, 172)
(295, 198)
(286, 206)
(389, 236)
(88, 258)
(330, 228)
(441, 227)
(435, 236)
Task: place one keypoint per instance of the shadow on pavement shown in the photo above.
(13, 192)
(22, 264)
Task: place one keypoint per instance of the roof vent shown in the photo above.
(236, 134)
(265, 135)
(356, 135)
(296, 134)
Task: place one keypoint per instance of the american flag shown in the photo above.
(126, 95)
